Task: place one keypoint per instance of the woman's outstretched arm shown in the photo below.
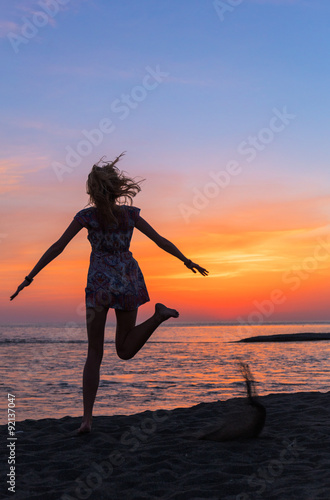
(53, 251)
(167, 245)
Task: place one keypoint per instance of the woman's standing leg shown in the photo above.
(130, 338)
(95, 319)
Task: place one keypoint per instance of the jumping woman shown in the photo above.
(114, 277)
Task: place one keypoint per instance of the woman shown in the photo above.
(114, 277)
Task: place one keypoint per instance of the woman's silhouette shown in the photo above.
(114, 277)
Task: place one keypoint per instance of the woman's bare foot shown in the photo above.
(85, 427)
(165, 313)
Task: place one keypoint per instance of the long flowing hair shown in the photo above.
(108, 188)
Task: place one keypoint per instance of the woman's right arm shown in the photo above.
(53, 251)
(167, 245)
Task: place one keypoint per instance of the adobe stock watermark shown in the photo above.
(266, 475)
(99, 473)
(224, 6)
(250, 148)
(31, 26)
(122, 107)
(293, 278)
(43, 353)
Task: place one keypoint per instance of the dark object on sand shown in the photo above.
(288, 337)
(248, 423)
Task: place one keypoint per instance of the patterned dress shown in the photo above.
(114, 277)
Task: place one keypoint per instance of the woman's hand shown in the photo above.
(20, 288)
(192, 266)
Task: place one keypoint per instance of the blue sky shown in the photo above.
(224, 77)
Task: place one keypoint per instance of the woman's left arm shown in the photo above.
(53, 251)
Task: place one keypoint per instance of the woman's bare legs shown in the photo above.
(95, 319)
(130, 338)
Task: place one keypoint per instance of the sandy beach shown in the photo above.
(157, 454)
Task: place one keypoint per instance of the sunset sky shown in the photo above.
(222, 110)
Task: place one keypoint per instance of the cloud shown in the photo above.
(8, 27)
(20, 12)
(14, 170)
(21, 123)
(89, 70)
(190, 81)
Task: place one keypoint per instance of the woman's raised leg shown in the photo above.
(95, 319)
(130, 338)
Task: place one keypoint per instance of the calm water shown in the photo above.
(180, 366)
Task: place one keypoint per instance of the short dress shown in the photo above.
(114, 277)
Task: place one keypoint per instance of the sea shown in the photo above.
(182, 365)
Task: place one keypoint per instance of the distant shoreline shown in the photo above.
(288, 337)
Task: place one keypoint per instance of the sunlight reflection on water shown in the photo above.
(46, 377)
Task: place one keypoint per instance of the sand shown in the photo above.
(154, 455)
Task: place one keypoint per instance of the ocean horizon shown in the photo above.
(180, 366)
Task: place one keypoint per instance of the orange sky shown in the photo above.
(267, 253)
